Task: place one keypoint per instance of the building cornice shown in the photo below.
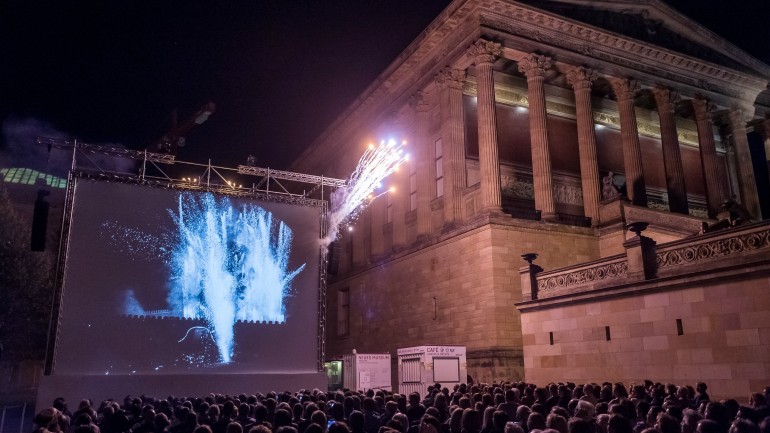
(610, 48)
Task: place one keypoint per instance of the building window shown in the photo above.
(439, 168)
(412, 185)
(343, 312)
(389, 208)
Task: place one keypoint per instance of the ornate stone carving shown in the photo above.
(452, 78)
(568, 194)
(417, 100)
(699, 211)
(504, 95)
(484, 51)
(703, 108)
(595, 42)
(518, 187)
(666, 99)
(624, 88)
(515, 187)
(565, 281)
(581, 77)
(714, 249)
(740, 115)
(534, 64)
(606, 119)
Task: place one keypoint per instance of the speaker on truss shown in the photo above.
(40, 221)
(333, 258)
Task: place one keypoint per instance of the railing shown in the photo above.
(644, 260)
(14, 419)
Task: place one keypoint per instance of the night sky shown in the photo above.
(279, 71)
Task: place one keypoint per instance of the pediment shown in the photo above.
(656, 23)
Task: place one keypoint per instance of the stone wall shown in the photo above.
(708, 322)
(458, 291)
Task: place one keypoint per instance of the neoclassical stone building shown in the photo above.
(524, 118)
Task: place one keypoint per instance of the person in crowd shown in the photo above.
(415, 410)
(470, 422)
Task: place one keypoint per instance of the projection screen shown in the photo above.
(168, 281)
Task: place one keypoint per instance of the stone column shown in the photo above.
(534, 67)
(625, 91)
(451, 82)
(580, 79)
(747, 183)
(709, 161)
(423, 158)
(484, 53)
(672, 157)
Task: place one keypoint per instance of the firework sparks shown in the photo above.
(375, 165)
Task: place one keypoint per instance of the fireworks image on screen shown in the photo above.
(227, 264)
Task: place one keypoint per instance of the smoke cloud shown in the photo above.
(20, 149)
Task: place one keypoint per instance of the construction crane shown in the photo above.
(175, 137)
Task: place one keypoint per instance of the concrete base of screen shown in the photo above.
(97, 388)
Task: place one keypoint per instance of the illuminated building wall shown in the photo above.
(534, 104)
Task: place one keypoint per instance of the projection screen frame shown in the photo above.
(77, 175)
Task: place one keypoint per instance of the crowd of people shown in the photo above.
(496, 408)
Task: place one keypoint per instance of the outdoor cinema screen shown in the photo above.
(167, 281)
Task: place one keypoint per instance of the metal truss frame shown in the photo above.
(271, 185)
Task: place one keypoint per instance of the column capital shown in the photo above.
(703, 108)
(581, 77)
(484, 51)
(666, 99)
(534, 65)
(624, 88)
(738, 117)
(451, 78)
(418, 102)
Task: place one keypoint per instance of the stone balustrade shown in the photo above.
(739, 246)
(729, 247)
(582, 277)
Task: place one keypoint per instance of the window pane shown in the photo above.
(440, 187)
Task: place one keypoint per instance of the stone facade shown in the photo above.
(704, 317)
(516, 112)
(457, 291)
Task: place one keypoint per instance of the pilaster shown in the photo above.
(377, 220)
(424, 159)
(450, 82)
